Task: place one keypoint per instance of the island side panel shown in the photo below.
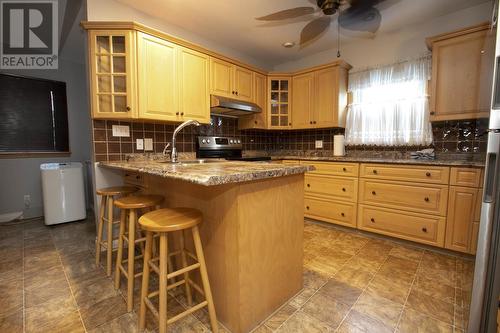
(219, 234)
(271, 228)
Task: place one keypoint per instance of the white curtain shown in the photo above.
(390, 105)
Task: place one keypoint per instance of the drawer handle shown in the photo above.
(426, 199)
(307, 207)
(374, 193)
(177, 113)
(308, 185)
(343, 189)
(374, 171)
(342, 214)
(372, 220)
(137, 177)
(128, 108)
(344, 169)
(310, 122)
(428, 174)
(424, 229)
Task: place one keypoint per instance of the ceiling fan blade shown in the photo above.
(360, 18)
(287, 14)
(313, 30)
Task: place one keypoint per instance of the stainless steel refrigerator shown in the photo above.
(486, 286)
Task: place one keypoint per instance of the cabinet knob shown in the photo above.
(232, 92)
(342, 214)
(128, 108)
(289, 124)
(310, 122)
(343, 189)
(182, 113)
(307, 207)
(374, 193)
(426, 199)
(137, 177)
(424, 229)
(177, 113)
(308, 185)
(255, 122)
(314, 122)
(433, 113)
(374, 171)
(372, 220)
(344, 169)
(428, 174)
(236, 93)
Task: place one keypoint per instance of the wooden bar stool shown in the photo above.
(132, 235)
(108, 195)
(163, 221)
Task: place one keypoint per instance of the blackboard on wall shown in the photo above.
(33, 115)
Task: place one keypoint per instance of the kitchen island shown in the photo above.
(252, 229)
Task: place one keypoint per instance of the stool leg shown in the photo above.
(119, 256)
(184, 264)
(163, 282)
(204, 279)
(110, 236)
(145, 280)
(100, 224)
(131, 259)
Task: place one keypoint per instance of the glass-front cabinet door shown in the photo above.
(279, 102)
(111, 58)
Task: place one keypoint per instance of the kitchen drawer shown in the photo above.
(430, 199)
(342, 213)
(290, 162)
(334, 168)
(134, 178)
(339, 188)
(416, 227)
(470, 177)
(411, 173)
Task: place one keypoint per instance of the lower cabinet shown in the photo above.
(422, 228)
(343, 213)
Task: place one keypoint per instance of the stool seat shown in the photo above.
(138, 201)
(117, 190)
(170, 219)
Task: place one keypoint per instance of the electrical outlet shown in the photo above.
(139, 144)
(148, 144)
(319, 144)
(27, 200)
(121, 130)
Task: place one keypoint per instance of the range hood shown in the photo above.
(229, 107)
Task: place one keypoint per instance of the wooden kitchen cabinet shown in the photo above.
(231, 81)
(258, 120)
(112, 79)
(157, 78)
(320, 97)
(459, 225)
(193, 80)
(279, 108)
(462, 67)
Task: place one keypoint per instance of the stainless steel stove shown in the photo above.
(229, 148)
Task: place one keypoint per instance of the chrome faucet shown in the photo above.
(174, 155)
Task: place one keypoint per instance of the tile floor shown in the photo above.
(352, 283)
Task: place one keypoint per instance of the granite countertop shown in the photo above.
(210, 174)
(438, 161)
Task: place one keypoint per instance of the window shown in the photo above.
(390, 106)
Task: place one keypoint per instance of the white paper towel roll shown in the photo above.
(338, 145)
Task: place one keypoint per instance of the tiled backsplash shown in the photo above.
(467, 136)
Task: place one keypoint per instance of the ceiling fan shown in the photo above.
(355, 15)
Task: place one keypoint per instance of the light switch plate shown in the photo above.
(121, 130)
(148, 144)
(319, 144)
(139, 144)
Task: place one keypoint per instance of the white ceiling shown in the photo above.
(232, 23)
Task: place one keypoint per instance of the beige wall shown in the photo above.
(401, 44)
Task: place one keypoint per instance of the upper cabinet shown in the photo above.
(320, 97)
(462, 71)
(112, 68)
(230, 80)
(279, 109)
(258, 120)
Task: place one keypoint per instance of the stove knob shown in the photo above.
(203, 141)
(231, 141)
(239, 141)
(208, 140)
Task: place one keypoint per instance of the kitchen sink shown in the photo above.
(197, 161)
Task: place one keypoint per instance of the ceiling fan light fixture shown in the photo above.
(288, 45)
